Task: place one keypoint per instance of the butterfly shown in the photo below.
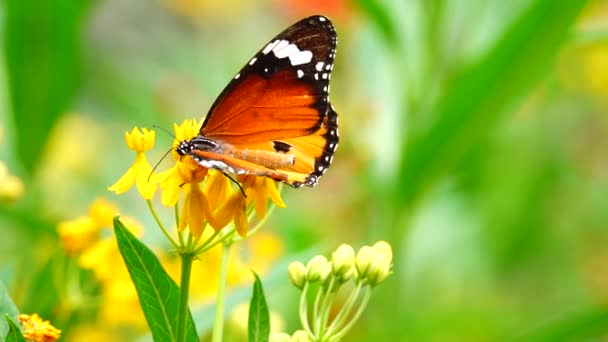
(274, 118)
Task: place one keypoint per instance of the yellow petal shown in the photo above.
(183, 217)
(257, 195)
(145, 185)
(240, 219)
(225, 214)
(198, 208)
(140, 141)
(274, 193)
(171, 187)
(125, 182)
(217, 189)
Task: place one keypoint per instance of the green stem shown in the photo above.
(315, 312)
(326, 305)
(160, 225)
(338, 336)
(304, 311)
(345, 310)
(182, 314)
(208, 244)
(218, 325)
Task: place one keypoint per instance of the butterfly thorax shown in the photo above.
(198, 143)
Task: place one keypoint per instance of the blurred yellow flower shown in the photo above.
(37, 330)
(98, 253)
(259, 252)
(139, 173)
(11, 187)
(83, 232)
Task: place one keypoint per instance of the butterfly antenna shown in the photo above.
(158, 163)
(236, 182)
(166, 131)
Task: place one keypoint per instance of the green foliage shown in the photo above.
(14, 333)
(158, 293)
(8, 308)
(259, 316)
(477, 98)
(43, 52)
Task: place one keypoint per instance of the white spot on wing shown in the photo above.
(237, 76)
(285, 51)
(319, 66)
(324, 76)
(300, 73)
(252, 61)
(270, 46)
(279, 45)
(301, 57)
(322, 19)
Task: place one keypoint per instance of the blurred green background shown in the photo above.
(474, 138)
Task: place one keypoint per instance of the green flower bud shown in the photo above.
(343, 259)
(300, 336)
(364, 261)
(297, 274)
(315, 267)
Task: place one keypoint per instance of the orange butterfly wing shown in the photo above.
(274, 118)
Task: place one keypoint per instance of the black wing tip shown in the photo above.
(332, 138)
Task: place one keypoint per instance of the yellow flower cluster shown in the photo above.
(208, 197)
(89, 239)
(35, 329)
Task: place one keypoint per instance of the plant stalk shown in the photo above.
(218, 324)
(182, 314)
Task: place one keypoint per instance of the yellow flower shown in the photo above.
(37, 330)
(208, 197)
(139, 173)
(83, 232)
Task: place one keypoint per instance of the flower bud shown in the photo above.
(315, 267)
(325, 272)
(346, 276)
(297, 274)
(300, 336)
(279, 337)
(381, 266)
(364, 261)
(343, 259)
(384, 248)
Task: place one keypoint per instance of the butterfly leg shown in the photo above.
(235, 182)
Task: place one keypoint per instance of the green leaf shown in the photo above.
(259, 317)
(478, 98)
(42, 49)
(14, 333)
(379, 15)
(158, 293)
(8, 308)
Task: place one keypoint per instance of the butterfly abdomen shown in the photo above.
(271, 160)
